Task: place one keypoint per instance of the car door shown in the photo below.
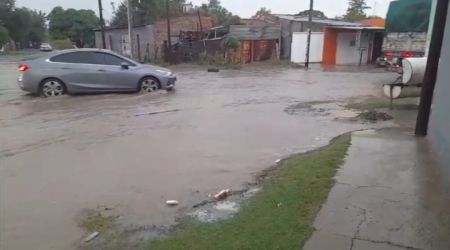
(80, 71)
(119, 78)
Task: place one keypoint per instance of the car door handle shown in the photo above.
(102, 70)
(65, 68)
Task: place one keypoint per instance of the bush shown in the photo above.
(62, 44)
(232, 43)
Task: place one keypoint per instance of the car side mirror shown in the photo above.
(124, 65)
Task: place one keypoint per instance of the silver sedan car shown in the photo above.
(90, 71)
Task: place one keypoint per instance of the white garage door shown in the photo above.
(298, 47)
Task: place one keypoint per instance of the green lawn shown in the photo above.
(279, 217)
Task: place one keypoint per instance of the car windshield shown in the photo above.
(224, 124)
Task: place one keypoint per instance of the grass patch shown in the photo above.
(279, 217)
(95, 221)
(372, 104)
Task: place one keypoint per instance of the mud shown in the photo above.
(63, 155)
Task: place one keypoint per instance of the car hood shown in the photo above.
(152, 67)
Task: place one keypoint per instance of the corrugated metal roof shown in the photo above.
(356, 28)
(252, 32)
(330, 22)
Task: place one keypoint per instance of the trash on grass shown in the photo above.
(172, 202)
(278, 161)
(91, 236)
(222, 194)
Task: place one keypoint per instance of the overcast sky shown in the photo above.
(243, 8)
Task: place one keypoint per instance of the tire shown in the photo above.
(52, 87)
(149, 84)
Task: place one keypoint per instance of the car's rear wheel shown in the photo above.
(52, 87)
(149, 84)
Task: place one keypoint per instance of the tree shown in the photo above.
(77, 25)
(6, 7)
(315, 14)
(146, 12)
(262, 12)
(4, 36)
(356, 10)
(220, 14)
(38, 28)
(214, 4)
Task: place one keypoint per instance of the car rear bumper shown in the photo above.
(26, 85)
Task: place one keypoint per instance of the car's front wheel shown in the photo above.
(149, 84)
(52, 87)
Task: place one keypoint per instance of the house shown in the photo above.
(256, 42)
(374, 22)
(149, 39)
(294, 23)
(352, 45)
(117, 40)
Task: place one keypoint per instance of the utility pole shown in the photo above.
(308, 42)
(102, 23)
(169, 39)
(130, 28)
(434, 54)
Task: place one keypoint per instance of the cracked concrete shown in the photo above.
(390, 194)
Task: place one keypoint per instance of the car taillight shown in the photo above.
(389, 53)
(23, 67)
(406, 54)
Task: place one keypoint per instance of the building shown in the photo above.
(117, 40)
(352, 45)
(256, 42)
(293, 23)
(374, 22)
(149, 39)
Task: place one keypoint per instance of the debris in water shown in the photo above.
(374, 116)
(213, 70)
(91, 236)
(158, 112)
(172, 202)
(222, 194)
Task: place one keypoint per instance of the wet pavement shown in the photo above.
(133, 152)
(391, 194)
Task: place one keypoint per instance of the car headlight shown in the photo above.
(164, 73)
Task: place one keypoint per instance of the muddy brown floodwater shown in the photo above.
(133, 152)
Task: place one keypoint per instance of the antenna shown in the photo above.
(374, 8)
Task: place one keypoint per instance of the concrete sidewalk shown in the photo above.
(390, 194)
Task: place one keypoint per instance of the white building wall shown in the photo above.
(299, 44)
(349, 45)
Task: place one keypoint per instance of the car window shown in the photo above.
(76, 57)
(109, 59)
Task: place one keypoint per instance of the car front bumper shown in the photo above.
(168, 82)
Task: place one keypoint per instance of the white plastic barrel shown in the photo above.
(414, 70)
(401, 91)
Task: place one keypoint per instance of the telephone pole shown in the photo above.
(169, 39)
(102, 23)
(308, 42)
(130, 28)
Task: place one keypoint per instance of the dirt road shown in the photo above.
(133, 152)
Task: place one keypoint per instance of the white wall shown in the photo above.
(348, 47)
(298, 47)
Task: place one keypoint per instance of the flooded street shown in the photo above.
(131, 152)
